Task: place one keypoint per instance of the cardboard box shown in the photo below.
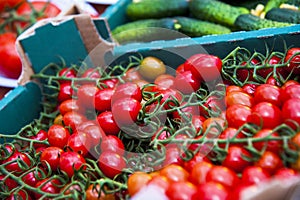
(75, 38)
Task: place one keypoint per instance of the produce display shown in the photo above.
(206, 129)
(15, 17)
(198, 18)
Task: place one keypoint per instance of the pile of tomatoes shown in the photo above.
(15, 17)
(199, 130)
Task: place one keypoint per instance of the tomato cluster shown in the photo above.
(106, 132)
(15, 17)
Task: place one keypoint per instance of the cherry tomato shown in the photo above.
(241, 98)
(110, 83)
(186, 112)
(285, 173)
(71, 161)
(173, 156)
(236, 159)
(254, 175)
(170, 97)
(68, 106)
(270, 162)
(19, 194)
(197, 121)
(41, 135)
(86, 95)
(51, 155)
(199, 172)
(10, 62)
(103, 99)
(293, 60)
(268, 93)
(212, 104)
(222, 175)
(125, 111)
(174, 173)
(94, 192)
(161, 182)
(291, 92)
(181, 190)
(269, 144)
(8, 182)
(79, 142)
(237, 115)
(265, 115)
(165, 81)
(137, 181)
(65, 92)
(267, 71)
(33, 177)
(108, 123)
(73, 119)
(58, 136)
(233, 88)
(249, 88)
(151, 67)
(228, 134)
(96, 134)
(91, 73)
(9, 4)
(211, 190)
(205, 67)
(17, 162)
(66, 73)
(112, 143)
(127, 90)
(48, 185)
(291, 112)
(111, 163)
(186, 82)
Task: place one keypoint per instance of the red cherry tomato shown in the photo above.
(270, 162)
(41, 135)
(291, 112)
(181, 190)
(108, 123)
(112, 143)
(58, 136)
(291, 92)
(86, 95)
(269, 93)
(254, 175)
(65, 92)
(10, 62)
(79, 142)
(11, 163)
(48, 185)
(273, 145)
(199, 172)
(111, 163)
(241, 98)
(71, 161)
(174, 173)
(293, 60)
(211, 190)
(127, 90)
(103, 99)
(73, 119)
(9, 4)
(51, 155)
(205, 67)
(236, 159)
(186, 82)
(237, 115)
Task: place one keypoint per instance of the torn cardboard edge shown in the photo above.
(95, 45)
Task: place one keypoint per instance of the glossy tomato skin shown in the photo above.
(291, 92)
(125, 111)
(254, 175)
(174, 173)
(71, 161)
(237, 115)
(73, 119)
(211, 190)
(269, 93)
(79, 142)
(199, 172)
(137, 181)
(66, 73)
(291, 112)
(205, 67)
(294, 60)
(9, 4)
(51, 155)
(108, 123)
(20, 194)
(58, 136)
(65, 92)
(129, 90)
(111, 163)
(10, 62)
(151, 67)
(270, 144)
(165, 81)
(169, 97)
(236, 159)
(14, 159)
(240, 98)
(112, 143)
(186, 82)
(40, 136)
(68, 106)
(103, 99)
(86, 95)
(270, 162)
(47, 185)
(181, 190)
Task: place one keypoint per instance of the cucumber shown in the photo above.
(273, 4)
(284, 15)
(249, 22)
(145, 30)
(195, 28)
(156, 9)
(216, 11)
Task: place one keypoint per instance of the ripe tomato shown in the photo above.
(103, 99)
(205, 67)
(65, 92)
(128, 89)
(228, 134)
(79, 142)
(165, 81)
(71, 161)
(270, 162)
(161, 182)
(33, 176)
(269, 144)
(9, 182)
(66, 73)
(254, 175)
(174, 173)
(241, 98)
(73, 119)
(181, 190)
(94, 192)
(112, 143)
(212, 104)
(285, 173)
(137, 181)
(268, 93)
(9, 4)
(151, 67)
(96, 134)
(111, 163)
(68, 106)
(108, 123)
(291, 112)
(291, 92)
(10, 62)
(19, 194)
(48, 185)
(211, 190)
(26, 9)
(199, 172)
(170, 97)
(40, 136)
(91, 73)
(173, 156)
(186, 82)
(51, 155)
(293, 60)
(249, 88)
(236, 159)
(267, 71)
(265, 115)
(237, 115)
(17, 162)
(125, 111)
(86, 95)
(58, 136)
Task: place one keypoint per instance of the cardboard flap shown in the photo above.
(74, 38)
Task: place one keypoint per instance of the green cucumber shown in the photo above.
(156, 9)
(284, 15)
(273, 4)
(250, 22)
(216, 11)
(145, 30)
(196, 28)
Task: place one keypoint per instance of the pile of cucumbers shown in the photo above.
(153, 19)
